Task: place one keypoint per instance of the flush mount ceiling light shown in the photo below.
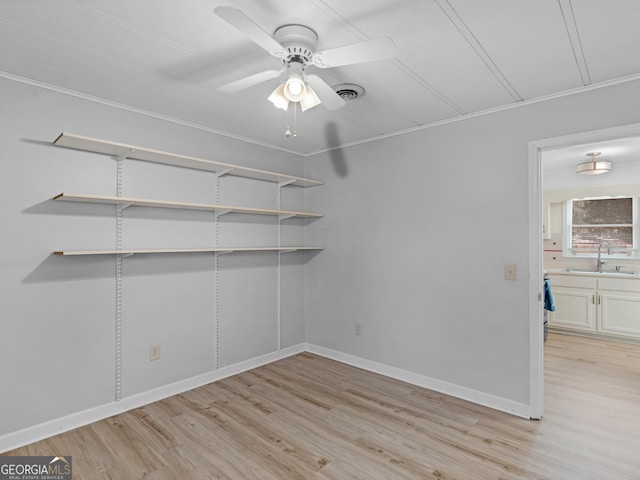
(593, 167)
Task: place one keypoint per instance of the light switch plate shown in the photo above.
(154, 353)
(510, 271)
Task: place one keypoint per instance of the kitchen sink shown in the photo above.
(606, 272)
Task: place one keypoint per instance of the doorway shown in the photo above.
(537, 149)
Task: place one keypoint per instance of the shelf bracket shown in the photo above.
(285, 216)
(288, 250)
(125, 155)
(224, 171)
(223, 252)
(125, 254)
(123, 205)
(286, 182)
(219, 213)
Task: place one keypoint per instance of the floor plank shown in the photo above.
(308, 417)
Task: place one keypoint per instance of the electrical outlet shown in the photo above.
(510, 271)
(358, 328)
(154, 353)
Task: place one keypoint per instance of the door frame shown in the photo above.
(536, 268)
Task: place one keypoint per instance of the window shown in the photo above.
(592, 221)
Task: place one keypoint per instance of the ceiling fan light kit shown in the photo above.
(278, 98)
(295, 89)
(310, 100)
(295, 46)
(285, 93)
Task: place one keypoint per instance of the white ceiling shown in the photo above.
(618, 151)
(559, 165)
(454, 57)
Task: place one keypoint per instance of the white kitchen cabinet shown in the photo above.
(575, 303)
(552, 219)
(596, 305)
(619, 307)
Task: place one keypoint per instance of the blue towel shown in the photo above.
(549, 304)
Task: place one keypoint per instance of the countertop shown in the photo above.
(588, 273)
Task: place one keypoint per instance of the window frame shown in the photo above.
(567, 225)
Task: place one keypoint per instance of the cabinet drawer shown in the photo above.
(574, 281)
(619, 284)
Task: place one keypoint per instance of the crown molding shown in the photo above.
(140, 111)
(459, 118)
(489, 111)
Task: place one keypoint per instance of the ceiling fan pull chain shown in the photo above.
(287, 131)
(295, 122)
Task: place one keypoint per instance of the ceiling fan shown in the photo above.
(295, 46)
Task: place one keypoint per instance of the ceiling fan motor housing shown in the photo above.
(300, 42)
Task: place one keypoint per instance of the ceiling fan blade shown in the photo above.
(249, 81)
(239, 20)
(330, 99)
(381, 48)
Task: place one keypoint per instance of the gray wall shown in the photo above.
(417, 230)
(57, 345)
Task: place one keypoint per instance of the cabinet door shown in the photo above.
(575, 309)
(619, 313)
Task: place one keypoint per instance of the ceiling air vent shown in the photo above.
(348, 91)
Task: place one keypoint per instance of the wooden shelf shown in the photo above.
(139, 153)
(79, 142)
(125, 251)
(141, 202)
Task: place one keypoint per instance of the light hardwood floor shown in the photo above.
(307, 417)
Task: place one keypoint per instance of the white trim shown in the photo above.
(567, 230)
(458, 391)
(605, 134)
(544, 98)
(536, 333)
(141, 111)
(536, 340)
(489, 111)
(47, 429)
(44, 430)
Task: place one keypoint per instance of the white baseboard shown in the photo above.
(464, 393)
(38, 432)
(44, 430)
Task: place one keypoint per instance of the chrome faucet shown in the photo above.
(601, 262)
